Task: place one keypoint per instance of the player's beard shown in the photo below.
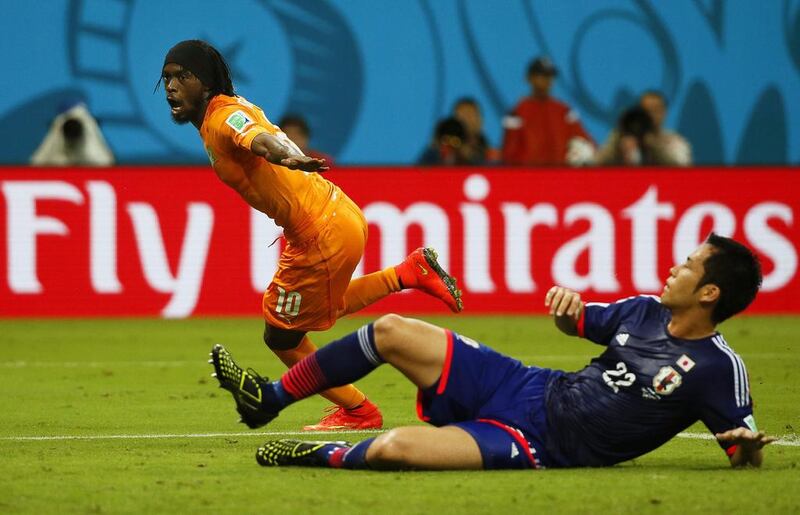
(187, 110)
(184, 116)
(180, 121)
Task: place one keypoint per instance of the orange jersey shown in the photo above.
(298, 201)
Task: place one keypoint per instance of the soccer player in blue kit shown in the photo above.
(663, 368)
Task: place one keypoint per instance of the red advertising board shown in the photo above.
(176, 242)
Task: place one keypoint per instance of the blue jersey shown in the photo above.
(646, 387)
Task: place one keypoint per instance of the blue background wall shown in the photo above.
(374, 75)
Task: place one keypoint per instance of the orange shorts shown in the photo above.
(307, 291)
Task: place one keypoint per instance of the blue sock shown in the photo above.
(354, 457)
(350, 358)
(339, 363)
(281, 395)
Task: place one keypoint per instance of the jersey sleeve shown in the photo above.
(237, 126)
(599, 322)
(726, 401)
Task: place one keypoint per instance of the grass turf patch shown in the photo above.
(150, 377)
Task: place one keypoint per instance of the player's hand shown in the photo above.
(744, 437)
(305, 163)
(564, 302)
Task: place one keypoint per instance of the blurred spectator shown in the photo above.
(448, 146)
(296, 128)
(658, 146)
(631, 142)
(74, 139)
(468, 112)
(541, 130)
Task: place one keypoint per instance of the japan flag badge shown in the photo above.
(685, 362)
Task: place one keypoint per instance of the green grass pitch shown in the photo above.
(159, 436)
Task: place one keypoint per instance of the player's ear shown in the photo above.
(709, 293)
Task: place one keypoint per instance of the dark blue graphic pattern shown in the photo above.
(373, 77)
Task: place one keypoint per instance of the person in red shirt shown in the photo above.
(541, 131)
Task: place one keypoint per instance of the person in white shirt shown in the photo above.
(661, 146)
(74, 139)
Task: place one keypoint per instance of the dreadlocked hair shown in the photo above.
(222, 73)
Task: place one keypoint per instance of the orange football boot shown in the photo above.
(364, 416)
(422, 271)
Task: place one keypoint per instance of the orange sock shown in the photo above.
(347, 396)
(368, 289)
(290, 357)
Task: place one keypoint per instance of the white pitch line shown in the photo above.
(96, 364)
(790, 441)
(186, 435)
(183, 363)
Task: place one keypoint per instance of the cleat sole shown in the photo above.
(234, 379)
(431, 257)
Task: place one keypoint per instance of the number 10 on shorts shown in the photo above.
(288, 303)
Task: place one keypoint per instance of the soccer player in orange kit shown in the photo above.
(325, 230)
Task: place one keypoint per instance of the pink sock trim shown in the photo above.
(337, 457)
(304, 379)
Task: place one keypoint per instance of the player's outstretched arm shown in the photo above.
(748, 445)
(276, 151)
(566, 307)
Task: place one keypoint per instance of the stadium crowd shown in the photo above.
(544, 131)
(539, 131)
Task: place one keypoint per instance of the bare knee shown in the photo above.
(389, 333)
(391, 450)
(388, 324)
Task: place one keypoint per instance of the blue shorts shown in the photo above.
(499, 401)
